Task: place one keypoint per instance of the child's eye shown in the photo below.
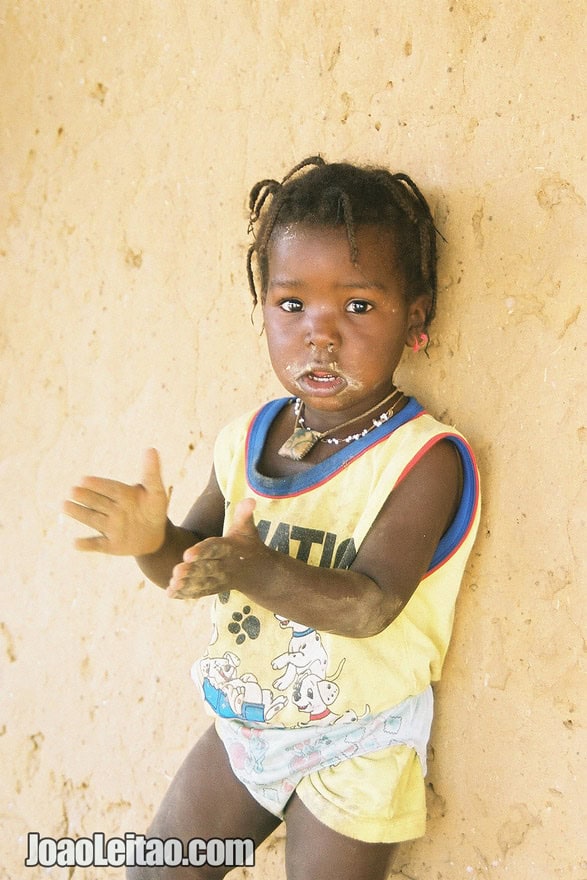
(359, 307)
(291, 305)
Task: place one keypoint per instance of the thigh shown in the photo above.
(206, 800)
(314, 850)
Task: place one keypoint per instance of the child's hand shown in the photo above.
(220, 564)
(131, 520)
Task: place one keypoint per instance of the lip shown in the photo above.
(321, 380)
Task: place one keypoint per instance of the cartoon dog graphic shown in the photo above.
(305, 653)
(315, 695)
(234, 696)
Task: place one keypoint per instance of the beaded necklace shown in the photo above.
(305, 438)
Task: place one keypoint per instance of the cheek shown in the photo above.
(282, 353)
(375, 356)
(274, 339)
(280, 334)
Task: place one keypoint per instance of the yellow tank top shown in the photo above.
(263, 668)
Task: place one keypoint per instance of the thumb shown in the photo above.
(151, 477)
(243, 522)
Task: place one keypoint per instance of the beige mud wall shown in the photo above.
(130, 135)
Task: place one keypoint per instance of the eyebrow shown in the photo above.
(294, 284)
(284, 282)
(364, 285)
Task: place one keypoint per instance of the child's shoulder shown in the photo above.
(420, 431)
(257, 421)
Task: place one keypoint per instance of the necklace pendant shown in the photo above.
(299, 444)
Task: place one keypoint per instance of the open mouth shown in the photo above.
(322, 377)
(322, 380)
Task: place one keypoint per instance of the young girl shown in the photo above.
(333, 535)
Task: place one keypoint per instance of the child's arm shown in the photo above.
(359, 602)
(132, 520)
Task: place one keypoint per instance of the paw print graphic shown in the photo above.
(245, 624)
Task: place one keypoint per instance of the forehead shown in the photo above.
(299, 246)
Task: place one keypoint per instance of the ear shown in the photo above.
(328, 691)
(417, 318)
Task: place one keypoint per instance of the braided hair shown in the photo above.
(350, 196)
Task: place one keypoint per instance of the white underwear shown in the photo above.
(271, 761)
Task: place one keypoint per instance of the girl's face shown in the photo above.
(336, 331)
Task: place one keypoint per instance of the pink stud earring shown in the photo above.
(422, 341)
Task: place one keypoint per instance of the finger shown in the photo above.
(179, 573)
(189, 591)
(85, 515)
(179, 594)
(112, 489)
(151, 477)
(193, 552)
(181, 588)
(191, 581)
(95, 544)
(243, 522)
(179, 577)
(188, 573)
(209, 550)
(91, 499)
(174, 591)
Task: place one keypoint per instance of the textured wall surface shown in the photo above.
(130, 135)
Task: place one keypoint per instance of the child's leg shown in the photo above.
(205, 800)
(314, 850)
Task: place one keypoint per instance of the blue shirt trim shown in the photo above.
(459, 528)
(284, 487)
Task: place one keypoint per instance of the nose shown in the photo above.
(322, 331)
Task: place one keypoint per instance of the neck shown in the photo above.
(331, 422)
